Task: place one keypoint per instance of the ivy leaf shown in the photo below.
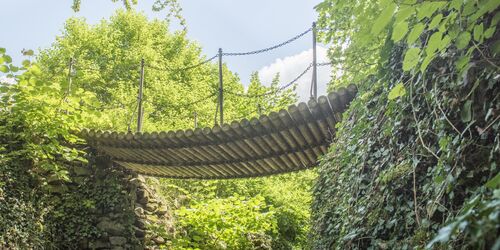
(403, 13)
(494, 182)
(434, 43)
(489, 32)
(397, 91)
(399, 31)
(445, 42)
(478, 32)
(411, 59)
(425, 63)
(428, 8)
(463, 40)
(435, 21)
(415, 33)
(466, 112)
(383, 19)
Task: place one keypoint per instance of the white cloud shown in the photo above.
(291, 66)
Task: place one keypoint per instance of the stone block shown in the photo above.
(117, 240)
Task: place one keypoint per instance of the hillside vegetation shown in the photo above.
(416, 161)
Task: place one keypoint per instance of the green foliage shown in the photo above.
(289, 196)
(35, 148)
(228, 223)
(416, 155)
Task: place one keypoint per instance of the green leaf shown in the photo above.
(463, 40)
(7, 58)
(399, 31)
(428, 8)
(445, 42)
(466, 112)
(494, 182)
(478, 32)
(26, 63)
(435, 21)
(428, 59)
(489, 32)
(434, 43)
(397, 91)
(383, 19)
(489, 6)
(411, 59)
(403, 13)
(415, 33)
(462, 62)
(2, 50)
(4, 68)
(28, 52)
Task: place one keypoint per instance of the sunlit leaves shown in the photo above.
(4, 68)
(478, 32)
(411, 59)
(434, 43)
(428, 8)
(399, 31)
(435, 21)
(7, 58)
(463, 40)
(383, 19)
(415, 33)
(397, 91)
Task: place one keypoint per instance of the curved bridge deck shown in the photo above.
(284, 141)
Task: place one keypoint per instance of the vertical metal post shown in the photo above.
(221, 89)
(314, 73)
(139, 98)
(70, 71)
(259, 109)
(195, 119)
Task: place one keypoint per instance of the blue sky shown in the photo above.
(230, 24)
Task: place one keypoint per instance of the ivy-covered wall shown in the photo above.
(415, 163)
(98, 205)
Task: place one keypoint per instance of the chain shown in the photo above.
(270, 48)
(181, 69)
(273, 91)
(185, 105)
(323, 64)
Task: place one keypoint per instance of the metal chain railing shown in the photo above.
(183, 68)
(282, 87)
(270, 48)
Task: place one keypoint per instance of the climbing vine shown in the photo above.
(415, 161)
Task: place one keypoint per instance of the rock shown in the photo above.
(141, 223)
(138, 181)
(151, 207)
(144, 200)
(117, 248)
(139, 212)
(99, 244)
(162, 211)
(117, 240)
(113, 228)
(159, 240)
(142, 194)
(139, 232)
